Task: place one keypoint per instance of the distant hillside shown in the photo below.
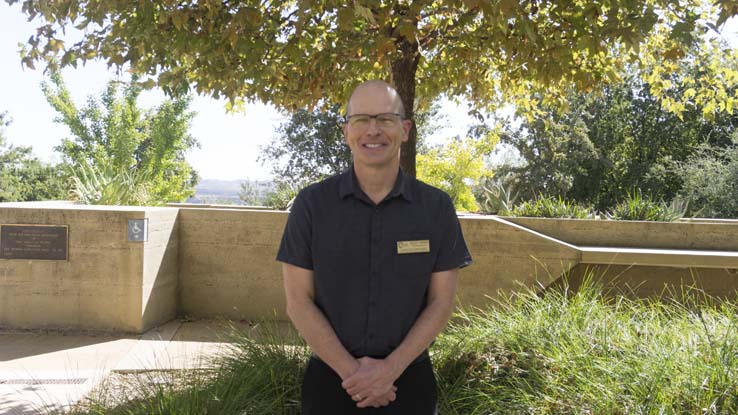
(226, 191)
(215, 187)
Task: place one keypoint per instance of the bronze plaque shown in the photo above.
(50, 242)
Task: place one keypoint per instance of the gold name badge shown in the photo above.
(413, 247)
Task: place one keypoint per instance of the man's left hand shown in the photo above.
(374, 379)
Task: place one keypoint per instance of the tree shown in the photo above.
(612, 141)
(24, 177)
(302, 53)
(113, 138)
(555, 149)
(249, 195)
(710, 177)
(456, 167)
(309, 146)
(256, 193)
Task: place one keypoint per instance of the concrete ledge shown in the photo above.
(108, 283)
(677, 258)
(216, 206)
(707, 235)
(219, 261)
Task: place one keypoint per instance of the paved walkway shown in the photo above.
(45, 371)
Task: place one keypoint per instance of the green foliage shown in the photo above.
(254, 193)
(222, 47)
(25, 178)
(96, 184)
(284, 194)
(550, 207)
(457, 166)
(563, 351)
(297, 54)
(248, 194)
(496, 195)
(639, 207)
(260, 373)
(635, 206)
(609, 142)
(710, 177)
(309, 146)
(579, 352)
(555, 149)
(115, 138)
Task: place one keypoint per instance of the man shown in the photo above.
(370, 264)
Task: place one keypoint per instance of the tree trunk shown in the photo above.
(403, 77)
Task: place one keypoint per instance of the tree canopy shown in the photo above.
(457, 166)
(113, 137)
(308, 146)
(301, 53)
(608, 143)
(23, 177)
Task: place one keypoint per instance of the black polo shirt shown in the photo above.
(372, 263)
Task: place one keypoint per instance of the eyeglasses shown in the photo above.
(384, 120)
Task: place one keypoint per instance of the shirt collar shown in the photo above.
(348, 185)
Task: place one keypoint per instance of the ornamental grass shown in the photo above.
(557, 352)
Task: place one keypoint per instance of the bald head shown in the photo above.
(376, 88)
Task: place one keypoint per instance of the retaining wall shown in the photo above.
(213, 262)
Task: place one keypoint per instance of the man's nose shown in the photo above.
(373, 127)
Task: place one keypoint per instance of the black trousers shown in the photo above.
(322, 393)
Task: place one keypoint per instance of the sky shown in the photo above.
(230, 143)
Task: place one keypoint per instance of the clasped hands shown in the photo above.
(372, 384)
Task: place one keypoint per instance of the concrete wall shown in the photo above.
(226, 263)
(508, 258)
(658, 282)
(708, 234)
(227, 266)
(647, 281)
(207, 262)
(160, 277)
(101, 285)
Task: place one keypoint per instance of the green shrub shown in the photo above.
(577, 353)
(102, 184)
(259, 375)
(456, 167)
(549, 207)
(559, 352)
(284, 194)
(710, 180)
(639, 207)
(496, 194)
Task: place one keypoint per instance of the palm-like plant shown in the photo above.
(101, 183)
(642, 207)
(498, 195)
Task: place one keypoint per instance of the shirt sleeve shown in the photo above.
(453, 252)
(295, 247)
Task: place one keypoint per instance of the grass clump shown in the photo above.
(579, 353)
(639, 207)
(635, 207)
(256, 376)
(549, 207)
(556, 353)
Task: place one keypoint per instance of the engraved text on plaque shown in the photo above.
(34, 242)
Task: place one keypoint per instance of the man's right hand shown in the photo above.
(376, 402)
(379, 401)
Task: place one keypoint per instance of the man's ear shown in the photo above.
(406, 126)
(345, 133)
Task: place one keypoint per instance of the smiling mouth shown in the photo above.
(373, 145)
